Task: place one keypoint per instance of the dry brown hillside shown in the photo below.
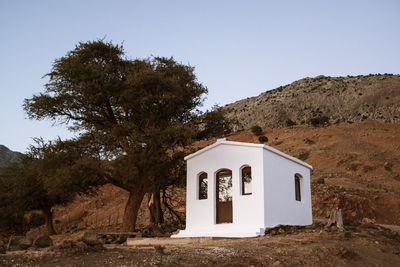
(356, 167)
(339, 99)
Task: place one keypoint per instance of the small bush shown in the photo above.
(388, 166)
(289, 123)
(340, 162)
(257, 130)
(367, 168)
(320, 121)
(309, 141)
(304, 155)
(354, 167)
(263, 139)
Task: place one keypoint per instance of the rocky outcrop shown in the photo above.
(321, 100)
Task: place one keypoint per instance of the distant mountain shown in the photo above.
(374, 97)
(8, 157)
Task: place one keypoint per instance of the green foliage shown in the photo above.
(304, 155)
(140, 113)
(214, 124)
(49, 174)
(368, 168)
(309, 141)
(263, 139)
(11, 218)
(320, 121)
(256, 129)
(388, 167)
(354, 166)
(289, 123)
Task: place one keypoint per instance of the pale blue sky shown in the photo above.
(239, 48)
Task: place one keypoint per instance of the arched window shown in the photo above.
(246, 181)
(203, 186)
(297, 186)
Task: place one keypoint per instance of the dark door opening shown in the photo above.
(224, 196)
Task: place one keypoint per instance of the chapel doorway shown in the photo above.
(224, 196)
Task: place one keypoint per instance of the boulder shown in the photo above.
(19, 243)
(43, 241)
(81, 246)
(92, 239)
(72, 246)
(26, 243)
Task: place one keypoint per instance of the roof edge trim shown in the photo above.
(268, 148)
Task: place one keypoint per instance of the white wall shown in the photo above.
(248, 211)
(273, 191)
(281, 207)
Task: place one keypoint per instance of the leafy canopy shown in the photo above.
(140, 111)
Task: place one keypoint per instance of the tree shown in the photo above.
(263, 139)
(138, 111)
(11, 217)
(50, 174)
(256, 129)
(214, 123)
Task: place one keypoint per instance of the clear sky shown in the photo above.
(239, 48)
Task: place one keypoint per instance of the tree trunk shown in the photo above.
(49, 221)
(156, 213)
(159, 215)
(150, 201)
(131, 210)
(336, 218)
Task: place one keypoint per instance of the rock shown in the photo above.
(92, 239)
(19, 243)
(43, 241)
(368, 221)
(70, 245)
(122, 238)
(81, 246)
(110, 239)
(277, 263)
(26, 243)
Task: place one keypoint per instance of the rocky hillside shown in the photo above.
(322, 100)
(8, 157)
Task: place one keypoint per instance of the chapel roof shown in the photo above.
(223, 141)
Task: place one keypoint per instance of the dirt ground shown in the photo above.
(361, 245)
